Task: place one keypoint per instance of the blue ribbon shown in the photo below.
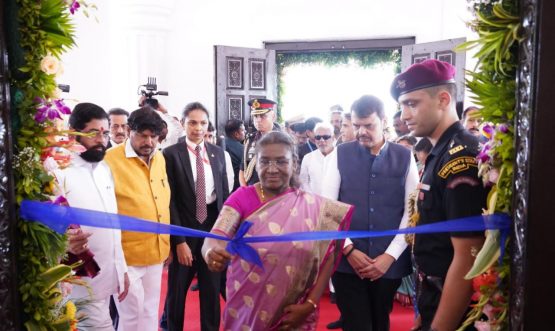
(58, 218)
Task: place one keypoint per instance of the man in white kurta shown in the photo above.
(87, 183)
(314, 163)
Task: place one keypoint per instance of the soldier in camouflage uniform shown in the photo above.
(263, 114)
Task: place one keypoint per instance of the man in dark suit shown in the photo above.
(118, 126)
(198, 181)
(235, 135)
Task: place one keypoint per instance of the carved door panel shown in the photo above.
(242, 74)
(442, 50)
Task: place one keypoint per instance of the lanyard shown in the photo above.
(204, 157)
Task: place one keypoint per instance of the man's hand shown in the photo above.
(184, 255)
(169, 260)
(78, 241)
(295, 315)
(417, 324)
(122, 295)
(217, 258)
(358, 260)
(378, 267)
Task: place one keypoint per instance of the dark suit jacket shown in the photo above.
(305, 149)
(235, 150)
(182, 185)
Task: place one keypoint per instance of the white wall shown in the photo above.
(173, 39)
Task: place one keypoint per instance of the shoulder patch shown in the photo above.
(463, 180)
(456, 149)
(457, 165)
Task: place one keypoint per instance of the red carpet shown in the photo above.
(401, 317)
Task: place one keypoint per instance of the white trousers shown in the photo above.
(139, 310)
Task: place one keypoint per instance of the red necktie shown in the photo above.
(200, 188)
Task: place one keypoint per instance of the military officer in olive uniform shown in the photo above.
(263, 114)
(449, 189)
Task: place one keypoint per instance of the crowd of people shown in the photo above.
(346, 171)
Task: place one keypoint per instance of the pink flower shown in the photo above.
(489, 312)
(482, 326)
(50, 110)
(488, 130)
(74, 6)
(493, 176)
(504, 128)
(483, 156)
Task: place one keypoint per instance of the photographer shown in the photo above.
(175, 130)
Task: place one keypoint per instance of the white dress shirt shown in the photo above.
(91, 186)
(330, 190)
(175, 131)
(208, 176)
(313, 169)
(229, 171)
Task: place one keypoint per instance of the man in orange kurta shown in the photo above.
(142, 191)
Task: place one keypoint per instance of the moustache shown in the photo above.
(119, 134)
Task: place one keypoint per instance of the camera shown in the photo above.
(149, 90)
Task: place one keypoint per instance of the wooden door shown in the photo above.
(442, 50)
(242, 74)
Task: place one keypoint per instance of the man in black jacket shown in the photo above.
(235, 135)
(198, 181)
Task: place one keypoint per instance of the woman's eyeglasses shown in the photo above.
(325, 137)
(282, 163)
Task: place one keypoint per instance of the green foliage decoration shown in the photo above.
(44, 29)
(493, 84)
(365, 59)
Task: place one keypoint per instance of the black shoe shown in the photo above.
(333, 298)
(194, 287)
(335, 325)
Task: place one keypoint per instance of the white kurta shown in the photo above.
(90, 186)
(313, 169)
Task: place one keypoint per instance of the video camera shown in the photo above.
(150, 90)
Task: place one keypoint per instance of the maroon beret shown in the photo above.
(422, 75)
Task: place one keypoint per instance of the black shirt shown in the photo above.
(450, 188)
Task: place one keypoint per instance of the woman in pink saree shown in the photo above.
(286, 293)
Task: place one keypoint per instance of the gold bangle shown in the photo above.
(312, 303)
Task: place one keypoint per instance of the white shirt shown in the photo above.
(229, 171)
(113, 143)
(208, 176)
(175, 131)
(91, 186)
(330, 190)
(313, 168)
(130, 152)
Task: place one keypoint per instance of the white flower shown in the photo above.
(50, 65)
(50, 164)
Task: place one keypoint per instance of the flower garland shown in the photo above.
(497, 24)
(41, 32)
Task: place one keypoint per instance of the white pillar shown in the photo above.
(139, 47)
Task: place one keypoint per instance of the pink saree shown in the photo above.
(255, 297)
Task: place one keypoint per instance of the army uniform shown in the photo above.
(449, 189)
(248, 166)
(249, 160)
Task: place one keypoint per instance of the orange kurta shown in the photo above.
(142, 192)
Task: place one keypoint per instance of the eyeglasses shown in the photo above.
(281, 163)
(118, 126)
(325, 137)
